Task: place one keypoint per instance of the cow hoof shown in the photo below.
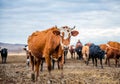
(33, 77)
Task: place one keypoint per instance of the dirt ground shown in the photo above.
(75, 71)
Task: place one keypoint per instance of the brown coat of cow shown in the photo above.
(114, 44)
(85, 53)
(104, 46)
(72, 51)
(41, 45)
(112, 53)
(49, 44)
(39, 41)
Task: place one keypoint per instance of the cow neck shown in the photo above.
(62, 45)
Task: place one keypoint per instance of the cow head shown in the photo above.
(65, 33)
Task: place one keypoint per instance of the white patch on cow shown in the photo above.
(105, 56)
(66, 33)
(54, 58)
(27, 48)
(28, 60)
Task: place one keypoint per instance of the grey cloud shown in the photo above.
(32, 15)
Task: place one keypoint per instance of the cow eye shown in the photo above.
(67, 30)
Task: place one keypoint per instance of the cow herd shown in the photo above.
(90, 51)
(112, 50)
(52, 45)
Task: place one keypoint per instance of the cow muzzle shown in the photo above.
(66, 47)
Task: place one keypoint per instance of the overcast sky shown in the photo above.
(97, 21)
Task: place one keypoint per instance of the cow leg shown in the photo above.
(53, 63)
(32, 62)
(48, 62)
(96, 62)
(93, 61)
(58, 64)
(115, 62)
(27, 62)
(72, 55)
(62, 75)
(61, 62)
(41, 68)
(101, 62)
(2, 59)
(5, 58)
(37, 64)
(106, 60)
(118, 62)
(64, 56)
(80, 55)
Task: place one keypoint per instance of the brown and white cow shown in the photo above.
(27, 54)
(42, 44)
(85, 52)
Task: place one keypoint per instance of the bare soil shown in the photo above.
(75, 71)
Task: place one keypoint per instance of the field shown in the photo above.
(75, 72)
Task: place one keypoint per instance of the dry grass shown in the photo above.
(75, 72)
(20, 57)
(13, 58)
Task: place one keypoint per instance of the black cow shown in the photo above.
(4, 54)
(94, 53)
(79, 52)
(65, 54)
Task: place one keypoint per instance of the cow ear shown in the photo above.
(74, 33)
(56, 32)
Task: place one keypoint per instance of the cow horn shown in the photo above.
(73, 28)
(61, 28)
(26, 45)
(56, 26)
